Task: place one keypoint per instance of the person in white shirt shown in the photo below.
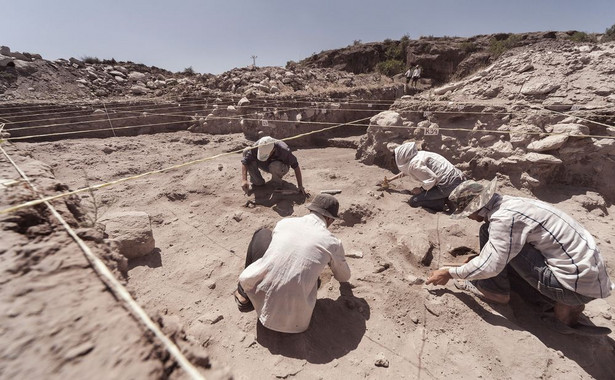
(282, 271)
(546, 247)
(436, 175)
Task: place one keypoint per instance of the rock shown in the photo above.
(117, 73)
(605, 146)
(413, 280)
(238, 216)
(211, 319)
(355, 254)
(539, 86)
(381, 360)
(419, 247)
(529, 181)
(138, 90)
(131, 232)
(552, 142)
(591, 201)
(386, 118)
(523, 134)
(446, 88)
(77, 62)
(135, 76)
(571, 129)
(211, 285)
(538, 158)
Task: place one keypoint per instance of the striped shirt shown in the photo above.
(569, 249)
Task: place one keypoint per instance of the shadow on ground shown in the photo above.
(337, 328)
(595, 354)
(279, 198)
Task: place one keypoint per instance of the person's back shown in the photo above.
(283, 283)
(446, 173)
(569, 249)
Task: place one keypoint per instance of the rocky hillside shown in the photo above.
(543, 114)
(442, 58)
(25, 76)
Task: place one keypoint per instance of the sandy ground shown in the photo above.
(202, 224)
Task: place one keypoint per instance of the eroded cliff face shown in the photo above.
(442, 58)
(541, 115)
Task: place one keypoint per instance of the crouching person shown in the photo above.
(271, 156)
(282, 271)
(437, 176)
(547, 248)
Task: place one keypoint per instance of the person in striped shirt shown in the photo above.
(550, 250)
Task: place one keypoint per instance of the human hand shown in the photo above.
(302, 191)
(439, 277)
(245, 186)
(416, 191)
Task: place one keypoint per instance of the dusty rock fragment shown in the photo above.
(414, 280)
(381, 360)
(355, 254)
(538, 158)
(548, 143)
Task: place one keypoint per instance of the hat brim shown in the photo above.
(321, 211)
(477, 203)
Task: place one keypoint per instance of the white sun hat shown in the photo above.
(265, 146)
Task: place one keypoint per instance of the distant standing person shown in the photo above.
(408, 75)
(282, 268)
(272, 156)
(438, 177)
(416, 74)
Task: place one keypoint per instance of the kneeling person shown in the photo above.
(546, 247)
(437, 176)
(283, 267)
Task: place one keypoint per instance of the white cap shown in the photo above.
(265, 146)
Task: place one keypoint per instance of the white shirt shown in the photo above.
(431, 169)
(282, 284)
(568, 248)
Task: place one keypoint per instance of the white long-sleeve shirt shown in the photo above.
(282, 284)
(431, 169)
(569, 249)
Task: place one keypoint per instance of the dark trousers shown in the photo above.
(436, 197)
(256, 249)
(530, 266)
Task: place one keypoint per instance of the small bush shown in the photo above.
(390, 67)
(609, 34)
(498, 47)
(188, 71)
(90, 60)
(582, 37)
(356, 42)
(468, 47)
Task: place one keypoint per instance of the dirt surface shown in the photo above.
(539, 118)
(202, 228)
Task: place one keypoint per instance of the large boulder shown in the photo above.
(130, 232)
(384, 128)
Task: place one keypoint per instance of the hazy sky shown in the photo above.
(216, 36)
